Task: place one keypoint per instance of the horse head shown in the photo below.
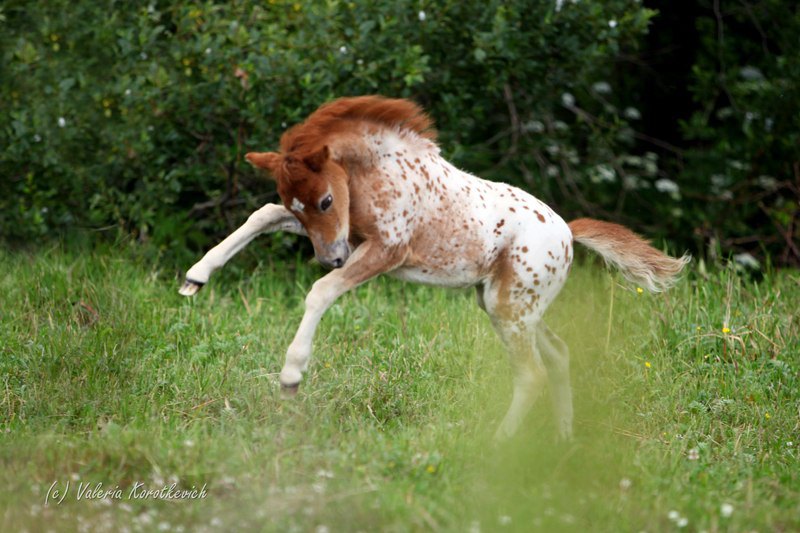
(314, 188)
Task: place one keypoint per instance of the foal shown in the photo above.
(363, 179)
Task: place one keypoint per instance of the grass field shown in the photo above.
(686, 404)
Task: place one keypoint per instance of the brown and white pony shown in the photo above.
(364, 180)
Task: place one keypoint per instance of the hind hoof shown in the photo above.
(190, 287)
(289, 391)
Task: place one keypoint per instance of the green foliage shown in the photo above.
(137, 118)
(132, 116)
(743, 169)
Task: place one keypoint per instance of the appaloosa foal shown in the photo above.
(364, 175)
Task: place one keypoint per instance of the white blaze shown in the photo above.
(297, 205)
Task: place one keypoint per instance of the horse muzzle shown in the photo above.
(333, 255)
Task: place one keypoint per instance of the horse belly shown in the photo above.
(455, 275)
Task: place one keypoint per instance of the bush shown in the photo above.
(138, 118)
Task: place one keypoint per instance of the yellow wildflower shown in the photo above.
(431, 469)
(639, 290)
(726, 329)
(647, 364)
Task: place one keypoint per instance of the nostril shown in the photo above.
(338, 262)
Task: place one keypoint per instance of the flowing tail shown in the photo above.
(630, 253)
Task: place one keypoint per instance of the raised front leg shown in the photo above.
(268, 219)
(365, 263)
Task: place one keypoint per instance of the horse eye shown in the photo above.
(326, 202)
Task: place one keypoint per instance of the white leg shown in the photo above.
(528, 376)
(555, 354)
(268, 219)
(365, 263)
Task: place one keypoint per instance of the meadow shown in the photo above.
(687, 403)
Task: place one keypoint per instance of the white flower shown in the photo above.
(189, 443)
(127, 92)
(767, 182)
(421, 16)
(726, 510)
(552, 171)
(632, 113)
(718, 181)
(567, 100)
(343, 49)
(534, 126)
(631, 182)
(601, 87)
(62, 122)
(625, 483)
(751, 73)
(325, 473)
(790, 444)
(694, 454)
(208, 51)
(504, 520)
(360, 61)
(612, 23)
(37, 138)
(746, 260)
(673, 515)
(668, 186)
(682, 522)
(603, 174)
(164, 526)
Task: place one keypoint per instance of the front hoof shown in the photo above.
(289, 391)
(190, 287)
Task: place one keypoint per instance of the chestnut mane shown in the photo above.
(344, 114)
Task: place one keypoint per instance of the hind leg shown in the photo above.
(528, 374)
(515, 324)
(555, 355)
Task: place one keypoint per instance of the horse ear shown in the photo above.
(317, 159)
(267, 160)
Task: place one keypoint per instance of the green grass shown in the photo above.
(111, 377)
